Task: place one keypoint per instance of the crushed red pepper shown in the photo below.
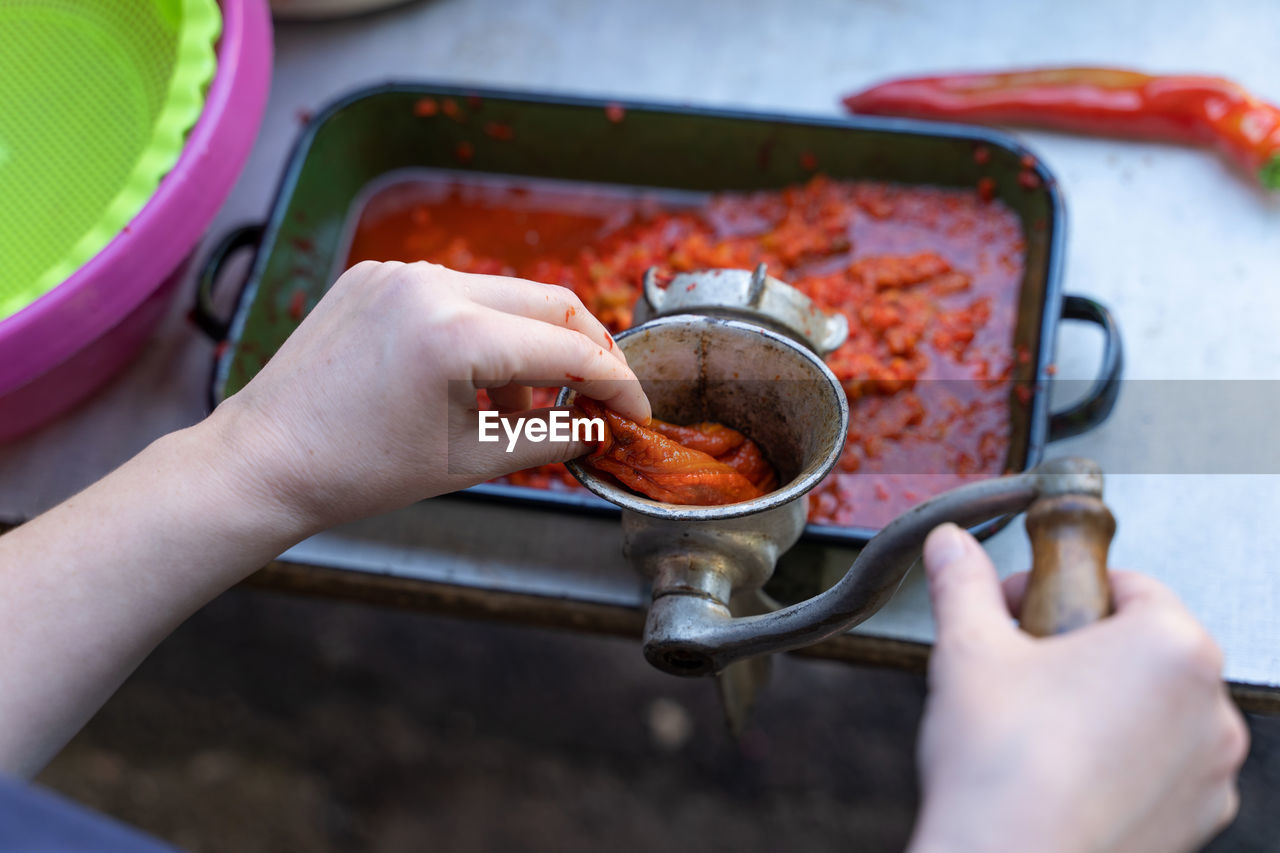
(500, 131)
(928, 278)
(986, 188)
(298, 305)
(705, 464)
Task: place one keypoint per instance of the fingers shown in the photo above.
(1235, 741)
(1015, 589)
(1130, 590)
(964, 587)
(511, 397)
(1215, 808)
(550, 303)
(1228, 808)
(528, 352)
(1133, 595)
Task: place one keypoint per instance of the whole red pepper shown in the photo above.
(1105, 101)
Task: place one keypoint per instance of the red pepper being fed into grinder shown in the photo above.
(1104, 101)
(705, 464)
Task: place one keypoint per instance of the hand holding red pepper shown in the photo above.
(1105, 101)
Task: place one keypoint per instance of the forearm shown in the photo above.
(91, 586)
(975, 831)
(937, 832)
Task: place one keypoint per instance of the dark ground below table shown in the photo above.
(269, 723)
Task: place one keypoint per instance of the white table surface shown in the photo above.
(1185, 253)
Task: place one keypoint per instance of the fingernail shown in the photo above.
(944, 546)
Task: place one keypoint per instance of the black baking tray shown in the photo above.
(362, 138)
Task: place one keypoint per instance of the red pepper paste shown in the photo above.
(928, 278)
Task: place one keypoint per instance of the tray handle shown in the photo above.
(1085, 414)
(203, 313)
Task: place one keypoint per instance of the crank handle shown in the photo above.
(1070, 531)
(1070, 535)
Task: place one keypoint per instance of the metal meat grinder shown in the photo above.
(744, 349)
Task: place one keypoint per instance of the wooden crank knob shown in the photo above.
(1070, 530)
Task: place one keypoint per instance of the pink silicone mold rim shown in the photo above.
(118, 279)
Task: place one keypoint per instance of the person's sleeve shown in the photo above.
(33, 820)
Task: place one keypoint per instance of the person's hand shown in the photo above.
(355, 414)
(1119, 736)
(371, 403)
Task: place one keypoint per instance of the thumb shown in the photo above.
(963, 586)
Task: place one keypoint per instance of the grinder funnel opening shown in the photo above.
(763, 384)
